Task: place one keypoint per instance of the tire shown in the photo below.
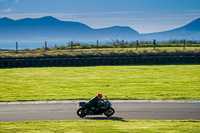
(109, 112)
(81, 112)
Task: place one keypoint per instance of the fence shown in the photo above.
(72, 45)
(95, 61)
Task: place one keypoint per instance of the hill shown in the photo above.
(50, 28)
(190, 31)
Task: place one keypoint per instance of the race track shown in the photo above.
(131, 110)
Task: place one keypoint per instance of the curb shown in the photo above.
(113, 101)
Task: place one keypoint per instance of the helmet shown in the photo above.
(99, 95)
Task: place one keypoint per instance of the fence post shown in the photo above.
(71, 46)
(97, 44)
(184, 44)
(45, 46)
(16, 47)
(154, 44)
(122, 45)
(118, 44)
(137, 43)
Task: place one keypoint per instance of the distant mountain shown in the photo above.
(190, 31)
(50, 28)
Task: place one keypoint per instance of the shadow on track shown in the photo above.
(105, 118)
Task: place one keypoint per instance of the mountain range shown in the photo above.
(51, 29)
(190, 31)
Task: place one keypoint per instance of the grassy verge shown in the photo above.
(41, 53)
(117, 82)
(108, 126)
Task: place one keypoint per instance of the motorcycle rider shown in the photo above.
(95, 106)
(94, 101)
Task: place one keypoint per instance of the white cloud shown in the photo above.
(61, 16)
(193, 11)
(104, 13)
(15, 1)
(7, 10)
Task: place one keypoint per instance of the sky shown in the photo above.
(144, 16)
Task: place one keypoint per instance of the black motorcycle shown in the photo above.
(103, 107)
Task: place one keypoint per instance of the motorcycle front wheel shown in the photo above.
(81, 112)
(109, 112)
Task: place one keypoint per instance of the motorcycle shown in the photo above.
(103, 107)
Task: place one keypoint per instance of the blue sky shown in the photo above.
(145, 16)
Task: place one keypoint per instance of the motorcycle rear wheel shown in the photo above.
(81, 112)
(109, 112)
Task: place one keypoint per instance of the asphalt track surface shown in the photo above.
(67, 111)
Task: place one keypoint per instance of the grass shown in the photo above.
(105, 126)
(145, 51)
(117, 82)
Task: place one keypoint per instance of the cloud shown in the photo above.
(7, 10)
(104, 13)
(38, 15)
(194, 11)
(62, 16)
(15, 1)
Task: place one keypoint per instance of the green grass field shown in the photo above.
(117, 82)
(102, 126)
